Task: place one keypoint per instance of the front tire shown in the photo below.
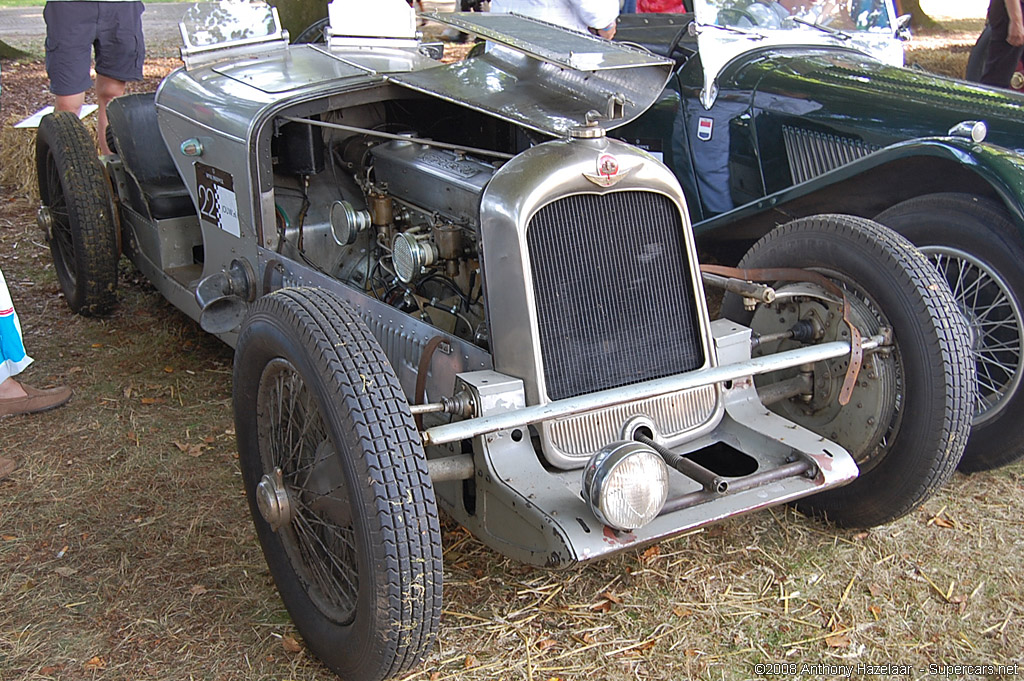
(976, 248)
(76, 215)
(921, 386)
(337, 484)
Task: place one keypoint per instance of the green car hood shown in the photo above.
(843, 92)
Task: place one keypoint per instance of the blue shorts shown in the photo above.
(74, 28)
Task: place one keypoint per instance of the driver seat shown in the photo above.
(154, 185)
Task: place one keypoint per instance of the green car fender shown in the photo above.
(884, 178)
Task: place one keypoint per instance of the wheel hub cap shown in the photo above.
(44, 218)
(272, 500)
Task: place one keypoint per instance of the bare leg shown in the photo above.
(106, 89)
(72, 103)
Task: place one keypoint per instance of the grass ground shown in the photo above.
(126, 551)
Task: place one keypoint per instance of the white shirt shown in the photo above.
(578, 15)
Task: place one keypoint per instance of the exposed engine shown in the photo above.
(393, 216)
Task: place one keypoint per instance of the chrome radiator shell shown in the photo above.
(542, 176)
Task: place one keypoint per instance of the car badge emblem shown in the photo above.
(608, 171)
(705, 126)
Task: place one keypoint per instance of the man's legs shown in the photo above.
(1003, 56)
(107, 88)
(114, 30)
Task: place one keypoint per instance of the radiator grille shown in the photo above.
(670, 416)
(815, 153)
(615, 301)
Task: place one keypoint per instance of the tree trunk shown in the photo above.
(297, 15)
(10, 52)
(919, 18)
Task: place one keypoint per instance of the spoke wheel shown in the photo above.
(75, 214)
(337, 484)
(994, 318)
(977, 249)
(909, 416)
(316, 524)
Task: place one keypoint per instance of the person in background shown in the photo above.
(660, 7)
(16, 397)
(1006, 19)
(76, 28)
(594, 16)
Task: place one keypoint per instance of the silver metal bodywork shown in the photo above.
(231, 119)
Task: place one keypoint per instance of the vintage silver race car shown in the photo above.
(446, 286)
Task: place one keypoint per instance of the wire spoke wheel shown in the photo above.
(994, 318)
(337, 483)
(320, 539)
(975, 246)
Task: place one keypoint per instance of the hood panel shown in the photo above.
(521, 78)
(879, 104)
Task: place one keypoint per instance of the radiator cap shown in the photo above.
(590, 130)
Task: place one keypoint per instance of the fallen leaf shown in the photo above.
(51, 669)
(837, 641)
(434, 676)
(192, 450)
(682, 612)
(291, 644)
(875, 610)
(612, 597)
(209, 439)
(860, 536)
(169, 370)
(546, 643)
(97, 345)
(95, 662)
(470, 662)
(603, 606)
(650, 554)
(942, 522)
(874, 590)
(198, 590)
(8, 537)
(152, 400)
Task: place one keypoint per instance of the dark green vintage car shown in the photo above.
(770, 119)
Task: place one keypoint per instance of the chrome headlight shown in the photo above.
(626, 485)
